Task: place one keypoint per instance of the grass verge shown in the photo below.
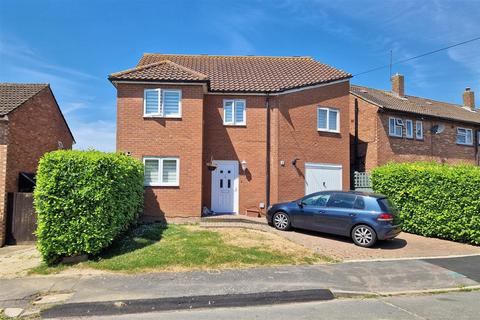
(156, 247)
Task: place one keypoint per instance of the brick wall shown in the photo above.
(34, 129)
(3, 198)
(379, 148)
(181, 138)
(237, 143)
(298, 136)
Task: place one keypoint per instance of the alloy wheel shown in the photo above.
(281, 221)
(363, 236)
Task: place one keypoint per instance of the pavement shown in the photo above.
(458, 306)
(343, 279)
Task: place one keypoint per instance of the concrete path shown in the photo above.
(458, 306)
(371, 277)
(16, 260)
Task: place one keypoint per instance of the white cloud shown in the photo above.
(98, 135)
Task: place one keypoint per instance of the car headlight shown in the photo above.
(269, 207)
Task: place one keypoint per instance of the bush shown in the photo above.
(435, 200)
(84, 200)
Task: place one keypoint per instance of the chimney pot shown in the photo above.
(469, 99)
(398, 85)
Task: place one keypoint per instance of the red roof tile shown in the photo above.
(234, 73)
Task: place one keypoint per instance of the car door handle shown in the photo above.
(352, 214)
(321, 211)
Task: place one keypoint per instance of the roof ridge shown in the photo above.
(154, 64)
(406, 96)
(24, 84)
(226, 56)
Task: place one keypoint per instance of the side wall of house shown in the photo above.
(3, 179)
(164, 137)
(440, 147)
(367, 133)
(35, 128)
(299, 137)
(240, 143)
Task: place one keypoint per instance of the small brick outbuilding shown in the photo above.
(31, 124)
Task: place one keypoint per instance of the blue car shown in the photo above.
(365, 217)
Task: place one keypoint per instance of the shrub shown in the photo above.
(84, 200)
(435, 200)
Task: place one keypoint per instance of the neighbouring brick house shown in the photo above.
(392, 126)
(31, 124)
(233, 133)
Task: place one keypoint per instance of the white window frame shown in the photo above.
(160, 182)
(397, 123)
(467, 130)
(327, 129)
(160, 108)
(409, 135)
(418, 124)
(234, 121)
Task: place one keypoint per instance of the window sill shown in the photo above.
(162, 117)
(465, 144)
(234, 125)
(328, 131)
(161, 185)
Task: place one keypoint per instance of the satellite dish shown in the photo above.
(438, 128)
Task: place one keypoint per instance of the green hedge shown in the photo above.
(435, 200)
(84, 200)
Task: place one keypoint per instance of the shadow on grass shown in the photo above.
(137, 238)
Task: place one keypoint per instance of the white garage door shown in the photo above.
(321, 177)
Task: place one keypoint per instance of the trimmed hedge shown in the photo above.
(435, 200)
(84, 200)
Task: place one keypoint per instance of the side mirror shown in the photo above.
(300, 203)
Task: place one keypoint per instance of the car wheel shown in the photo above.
(364, 236)
(281, 221)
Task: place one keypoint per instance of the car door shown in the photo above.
(307, 209)
(338, 215)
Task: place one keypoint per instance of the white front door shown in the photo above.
(225, 187)
(321, 177)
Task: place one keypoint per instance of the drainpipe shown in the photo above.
(477, 142)
(355, 139)
(267, 153)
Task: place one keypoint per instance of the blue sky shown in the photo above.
(74, 45)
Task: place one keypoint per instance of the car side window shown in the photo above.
(317, 200)
(342, 200)
(359, 203)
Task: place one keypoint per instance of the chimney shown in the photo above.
(398, 86)
(469, 99)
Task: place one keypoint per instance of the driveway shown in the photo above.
(406, 245)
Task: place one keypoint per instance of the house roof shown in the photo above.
(13, 95)
(233, 73)
(420, 106)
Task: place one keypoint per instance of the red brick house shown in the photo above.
(391, 126)
(233, 133)
(31, 124)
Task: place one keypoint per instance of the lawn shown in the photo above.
(155, 247)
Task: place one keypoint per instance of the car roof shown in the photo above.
(358, 193)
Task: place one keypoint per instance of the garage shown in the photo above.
(322, 176)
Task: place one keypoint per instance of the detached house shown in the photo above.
(391, 126)
(31, 124)
(233, 133)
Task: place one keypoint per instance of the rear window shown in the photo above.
(387, 206)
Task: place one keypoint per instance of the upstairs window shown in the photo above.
(165, 103)
(409, 129)
(464, 136)
(328, 120)
(419, 130)
(161, 171)
(234, 112)
(395, 127)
